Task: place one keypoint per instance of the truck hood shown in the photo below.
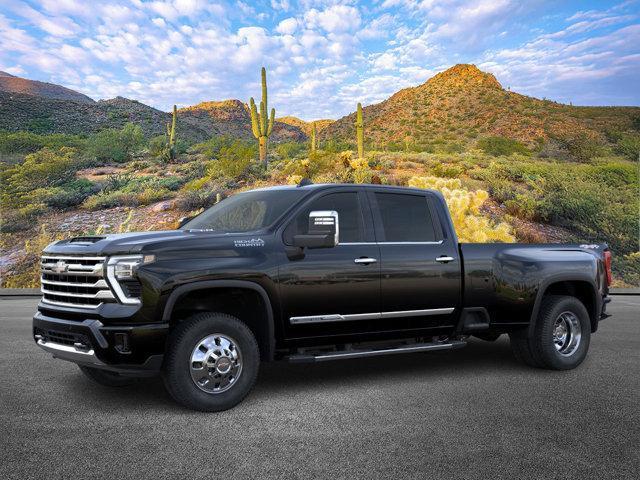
(145, 242)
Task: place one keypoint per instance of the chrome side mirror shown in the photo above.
(324, 231)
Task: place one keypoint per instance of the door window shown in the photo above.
(347, 204)
(405, 218)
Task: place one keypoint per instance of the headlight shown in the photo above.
(123, 269)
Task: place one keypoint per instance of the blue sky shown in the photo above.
(322, 56)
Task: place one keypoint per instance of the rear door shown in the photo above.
(419, 263)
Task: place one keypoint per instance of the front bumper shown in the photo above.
(134, 350)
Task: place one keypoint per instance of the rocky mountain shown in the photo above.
(464, 103)
(16, 85)
(305, 126)
(232, 117)
(47, 108)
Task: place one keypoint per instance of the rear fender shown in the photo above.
(561, 278)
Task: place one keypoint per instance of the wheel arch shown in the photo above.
(264, 331)
(581, 287)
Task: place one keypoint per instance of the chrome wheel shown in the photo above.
(567, 333)
(216, 363)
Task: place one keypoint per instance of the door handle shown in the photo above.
(444, 259)
(365, 260)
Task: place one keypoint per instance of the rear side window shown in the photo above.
(347, 204)
(405, 218)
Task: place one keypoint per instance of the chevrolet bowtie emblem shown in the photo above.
(60, 266)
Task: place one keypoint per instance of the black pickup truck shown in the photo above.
(308, 273)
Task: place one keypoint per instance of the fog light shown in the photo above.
(122, 342)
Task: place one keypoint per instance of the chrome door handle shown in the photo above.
(445, 259)
(365, 260)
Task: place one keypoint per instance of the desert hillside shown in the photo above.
(463, 104)
(511, 167)
(232, 118)
(16, 85)
(27, 105)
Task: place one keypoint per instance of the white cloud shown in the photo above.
(339, 51)
(335, 19)
(56, 26)
(280, 5)
(287, 26)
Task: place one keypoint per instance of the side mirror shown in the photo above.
(183, 221)
(323, 231)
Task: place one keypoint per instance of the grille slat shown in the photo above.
(75, 281)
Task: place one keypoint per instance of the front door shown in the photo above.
(332, 291)
(419, 265)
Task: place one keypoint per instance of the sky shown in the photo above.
(322, 57)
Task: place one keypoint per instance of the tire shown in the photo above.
(107, 378)
(195, 371)
(560, 338)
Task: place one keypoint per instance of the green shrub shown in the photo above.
(158, 145)
(498, 146)
(289, 150)
(116, 145)
(126, 199)
(68, 195)
(42, 169)
(233, 160)
(24, 218)
(447, 170)
(189, 201)
(523, 206)
(211, 148)
(28, 142)
(629, 146)
(40, 125)
(582, 146)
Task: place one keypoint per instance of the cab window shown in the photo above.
(347, 204)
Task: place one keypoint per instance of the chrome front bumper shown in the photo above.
(70, 353)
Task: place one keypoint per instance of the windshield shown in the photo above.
(246, 212)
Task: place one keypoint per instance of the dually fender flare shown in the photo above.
(242, 284)
(573, 277)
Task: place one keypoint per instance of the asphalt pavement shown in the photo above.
(473, 413)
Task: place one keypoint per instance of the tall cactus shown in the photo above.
(260, 124)
(360, 132)
(314, 140)
(171, 135)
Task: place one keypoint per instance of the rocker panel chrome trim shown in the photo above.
(336, 317)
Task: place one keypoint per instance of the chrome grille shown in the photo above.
(74, 281)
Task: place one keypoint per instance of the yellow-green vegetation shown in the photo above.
(510, 166)
(29, 274)
(116, 145)
(464, 206)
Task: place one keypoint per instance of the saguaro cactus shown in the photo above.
(360, 132)
(260, 124)
(171, 135)
(314, 140)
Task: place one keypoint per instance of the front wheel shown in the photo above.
(211, 363)
(560, 339)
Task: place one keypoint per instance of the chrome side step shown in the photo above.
(344, 354)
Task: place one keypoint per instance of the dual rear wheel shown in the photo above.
(560, 338)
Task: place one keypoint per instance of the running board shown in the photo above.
(417, 347)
